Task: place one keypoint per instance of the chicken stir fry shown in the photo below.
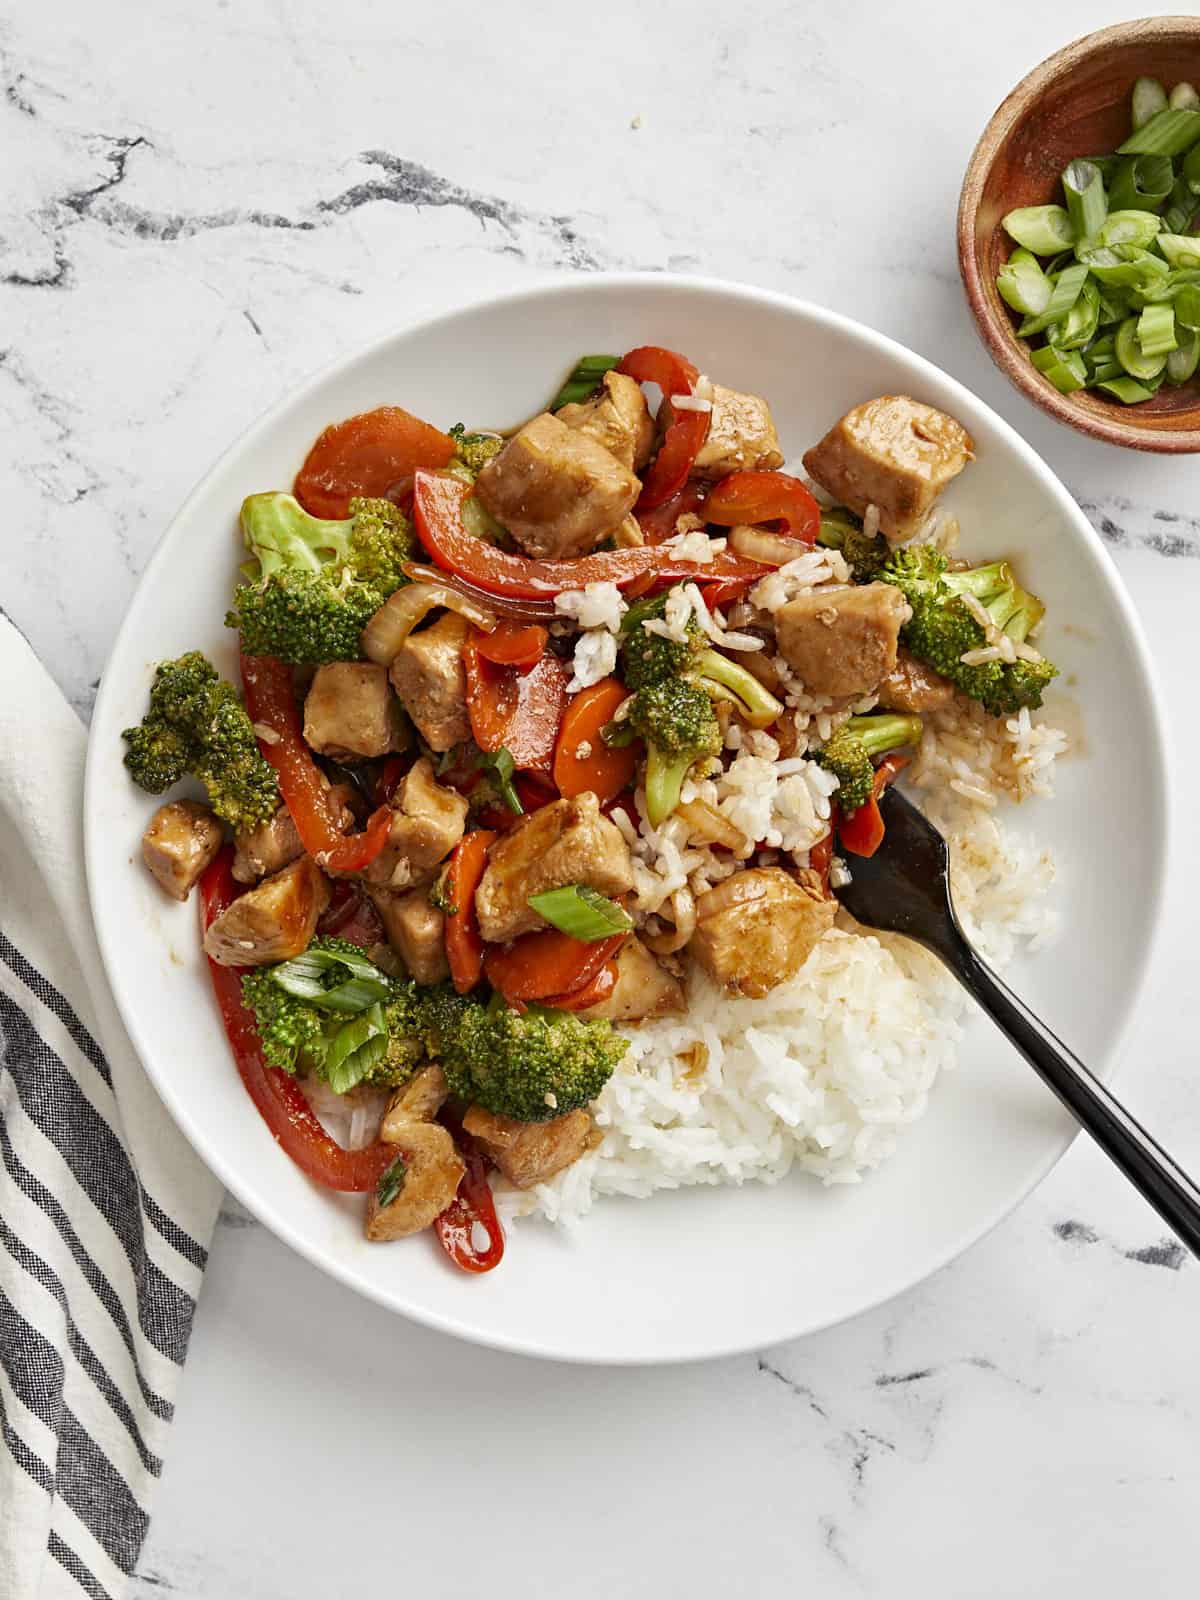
(562, 725)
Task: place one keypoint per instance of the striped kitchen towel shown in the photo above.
(105, 1212)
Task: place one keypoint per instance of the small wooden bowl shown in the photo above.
(1077, 103)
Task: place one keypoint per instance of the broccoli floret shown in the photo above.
(850, 754)
(677, 721)
(314, 584)
(648, 658)
(533, 1065)
(475, 450)
(287, 1026)
(943, 626)
(866, 556)
(197, 725)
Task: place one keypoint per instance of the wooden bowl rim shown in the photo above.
(998, 334)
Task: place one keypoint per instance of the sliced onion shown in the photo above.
(706, 822)
(772, 549)
(672, 939)
(504, 605)
(401, 611)
(738, 890)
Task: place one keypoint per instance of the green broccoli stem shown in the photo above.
(664, 781)
(279, 531)
(886, 731)
(758, 705)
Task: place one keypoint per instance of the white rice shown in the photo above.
(825, 1071)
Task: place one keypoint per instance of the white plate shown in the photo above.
(699, 1272)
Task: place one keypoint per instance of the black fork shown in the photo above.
(905, 888)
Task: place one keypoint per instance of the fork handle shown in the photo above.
(1166, 1186)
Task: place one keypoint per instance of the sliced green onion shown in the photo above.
(581, 912)
(502, 766)
(1042, 229)
(1023, 285)
(585, 379)
(1086, 203)
(1180, 249)
(302, 976)
(1167, 133)
(620, 735)
(1189, 172)
(1080, 324)
(1149, 98)
(390, 1185)
(1067, 288)
(1182, 362)
(1182, 96)
(1113, 307)
(355, 1048)
(1156, 331)
(1187, 306)
(1141, 183)
(1137, 363)
(1138, 228)
(1125, 266)
(1065, 370)
(1128, 390)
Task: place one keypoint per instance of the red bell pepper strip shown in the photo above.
(472, 1204)
(388, 781)
(513, 644)
(820, 857)
(658, 522)
(686, 432)
(437, 508)
(755, 497)
(367, 455)
(601, 986)
(519, 711)
(547, 963)
(269, 700)
(351, 916)
(862, 831)
(464, 944)
(279, 1098)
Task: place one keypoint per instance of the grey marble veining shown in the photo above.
(202, 203)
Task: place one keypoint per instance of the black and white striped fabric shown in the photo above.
(105, 1212)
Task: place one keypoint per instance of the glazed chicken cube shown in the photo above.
(181, 841)
(529, 1153)
(617, 418)
(433, 1170)
(416, 932)
(757, 929)
(427, 822)
(263, 850)
(273, 922)
(350, 712)
(566, 842)
(893, 453)
(842, 641)
(911, 686)
(556, 490)
(418, 1100)
(741, 435)
(643, 988)
(428, 675)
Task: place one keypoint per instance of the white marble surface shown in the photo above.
(200, 203)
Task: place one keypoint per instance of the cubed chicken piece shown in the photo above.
(428, 675)
(556, 490)
(842, 641)
(643, 988)
(419, 1100)
(427, 822)
(433, 1170)
(913, 687)
(741, 435)
(617, 418)
(757, 929)
(350, 712)
(893, 453)
(566, 842)
(273, 922)
(416, 932)
(529, 1153)
(180, 842)
(260, 851)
